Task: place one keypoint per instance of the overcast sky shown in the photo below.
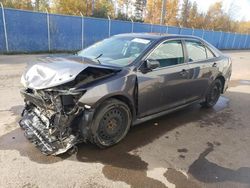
(242, 7)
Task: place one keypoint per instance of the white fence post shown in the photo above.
(180, 30)
(151, 29)
(48, 29)
(167, 29)
(109, 26)
(192, 30)
(4, 28)
(203, 33)
(132, 22)
(82, 29)
(246, 41)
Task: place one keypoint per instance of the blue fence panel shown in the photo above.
(227, 41)
(95, 29)
(216, 36)
(173, 30)
(186, 31)
(165, 29)
(224, 40)
(243, 37)
(208, 36)
(27, 31)
(236, 41)
(242, 46)
(118, 26)
(248, 42)
(219, 35)
(198, 32)
(158, 29)
(241, 41)
(233, 41)
(220, 42)
(245, 44)
(2, 37)
(65, 32)
(230, 41)
(141, 27)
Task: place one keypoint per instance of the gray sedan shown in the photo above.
(97, 94)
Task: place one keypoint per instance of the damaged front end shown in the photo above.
(52, 118)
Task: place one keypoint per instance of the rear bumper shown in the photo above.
(226, 85)
(227, 77)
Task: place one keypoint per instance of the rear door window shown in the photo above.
(196, 51)
(209, 53)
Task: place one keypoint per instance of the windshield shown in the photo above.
(116, 51)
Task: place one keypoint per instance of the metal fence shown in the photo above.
(26, 31)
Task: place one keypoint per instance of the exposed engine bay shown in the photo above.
(52, 118)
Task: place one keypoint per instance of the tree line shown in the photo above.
(178, 13)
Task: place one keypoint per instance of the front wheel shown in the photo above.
(213, 94)
(111, 123)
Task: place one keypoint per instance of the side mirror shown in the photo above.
(152, 64)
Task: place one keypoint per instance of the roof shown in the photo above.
(156, 35)
(163, 36)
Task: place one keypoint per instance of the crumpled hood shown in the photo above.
(51, 72)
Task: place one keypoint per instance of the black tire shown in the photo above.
(111, 123)
(213, 94)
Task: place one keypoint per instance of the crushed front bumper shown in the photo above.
(37, 130)
(51, 125)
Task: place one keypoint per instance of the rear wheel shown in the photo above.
(213, 94)
(111, 123)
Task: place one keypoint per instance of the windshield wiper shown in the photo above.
(91, 59)
(97, 58)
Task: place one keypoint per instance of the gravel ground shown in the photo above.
(191, 148)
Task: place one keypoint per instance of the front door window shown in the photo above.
(168, 54)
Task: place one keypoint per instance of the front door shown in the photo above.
(164, 87)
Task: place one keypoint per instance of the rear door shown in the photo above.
(164, 87)
(201, 63)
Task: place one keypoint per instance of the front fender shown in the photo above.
(118, 85)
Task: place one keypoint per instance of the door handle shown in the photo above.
(214, 65)
(184, 73)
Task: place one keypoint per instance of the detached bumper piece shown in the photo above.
(38, 130)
